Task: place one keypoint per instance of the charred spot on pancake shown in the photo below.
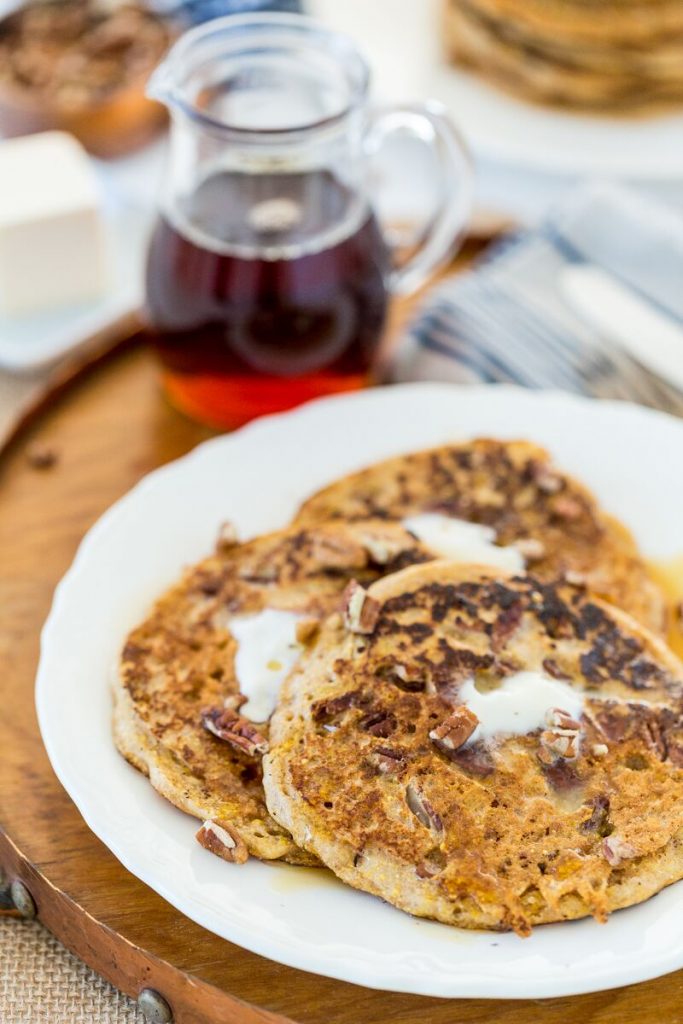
(506, 625)
(456, 665)
(552, 611)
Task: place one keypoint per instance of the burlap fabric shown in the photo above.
(42, 983)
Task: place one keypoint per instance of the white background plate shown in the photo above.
(403, 40)
(256, 478)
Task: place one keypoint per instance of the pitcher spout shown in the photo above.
(161, 84)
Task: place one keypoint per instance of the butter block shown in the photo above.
(52, 237)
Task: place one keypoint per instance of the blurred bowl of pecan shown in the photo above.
(81, 66)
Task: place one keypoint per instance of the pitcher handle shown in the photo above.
(439, 237)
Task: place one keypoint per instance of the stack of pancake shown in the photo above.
(593, 54)
(446, 680)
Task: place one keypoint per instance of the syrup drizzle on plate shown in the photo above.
(669, 575)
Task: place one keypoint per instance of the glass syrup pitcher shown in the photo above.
(268, 271)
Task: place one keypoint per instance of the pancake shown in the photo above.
(513, 488)
(491, 751)
(609, 56)
(179, 715)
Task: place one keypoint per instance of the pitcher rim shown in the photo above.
(172, 96)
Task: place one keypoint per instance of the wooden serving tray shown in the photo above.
(107, 429)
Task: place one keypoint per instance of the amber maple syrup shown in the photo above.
(669, 575)
(266, 290)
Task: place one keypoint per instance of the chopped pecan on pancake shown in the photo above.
(378, 723)
(422, 809)
(545, 478)
(558, 743)
(599, 820)
(386, 760)
(226, 724)
(361, 611)
(326, 710)
(557, 718)
(222, 839)
(227, 537)
(405, 677)
(615, 850)
(433, 864)
(383, 549)
(456, 729)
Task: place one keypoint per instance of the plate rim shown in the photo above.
(484, 984)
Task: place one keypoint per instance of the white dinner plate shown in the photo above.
(403, 41)
(256, 478)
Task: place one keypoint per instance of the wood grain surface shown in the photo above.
(107, 431)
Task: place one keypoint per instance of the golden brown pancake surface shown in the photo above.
(373, 770)
(514, 488)
(180, 663)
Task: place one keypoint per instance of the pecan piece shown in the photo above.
(422, 809)
(558, 718)
(405, 678)
(545, 479)
(327, 709)
(222, 839)
(433, 864)
(615, 850)
(561, 739)
(382, 549)
(456, 729)
(558, 743)
(378, 723)
(599, 820)
(227, 537)
(226, 724)
(361, 611)
(386, 760)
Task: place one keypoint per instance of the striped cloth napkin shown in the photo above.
(590, 302)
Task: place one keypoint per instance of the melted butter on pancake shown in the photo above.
(519, 705)
(462, 541)
(267, 650)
